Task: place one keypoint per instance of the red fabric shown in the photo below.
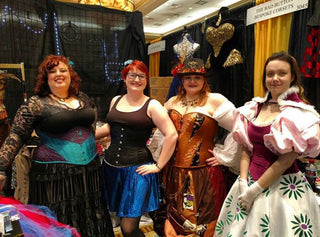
(36, 215)
(311, 67)
(218, 187)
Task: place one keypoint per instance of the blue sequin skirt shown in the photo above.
(128, 193)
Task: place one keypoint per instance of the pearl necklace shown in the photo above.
(61, 99)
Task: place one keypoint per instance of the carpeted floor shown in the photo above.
(146, 225)
(147, 230)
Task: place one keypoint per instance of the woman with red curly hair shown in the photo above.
(66, 172)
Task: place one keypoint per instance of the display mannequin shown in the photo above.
(186, 47)
(218, 35)
(227, 74)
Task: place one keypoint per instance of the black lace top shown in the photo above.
(45, 115)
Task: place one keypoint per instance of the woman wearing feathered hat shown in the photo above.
(193, 178)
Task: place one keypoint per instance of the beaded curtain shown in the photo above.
(97, 40)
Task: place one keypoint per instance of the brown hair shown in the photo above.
(205, 90)
(51, 61)
(295, 71)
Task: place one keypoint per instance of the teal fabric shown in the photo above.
(78, 147)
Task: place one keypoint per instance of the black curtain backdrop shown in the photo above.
(235, 82)
(298, 43)
(97, 40)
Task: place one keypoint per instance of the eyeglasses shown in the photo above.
(133, 76)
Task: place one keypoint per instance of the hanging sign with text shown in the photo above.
(274, 8)
(157, 47)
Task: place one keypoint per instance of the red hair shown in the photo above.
(51, 61)
(138, 65)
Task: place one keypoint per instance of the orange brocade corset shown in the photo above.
(196, 136)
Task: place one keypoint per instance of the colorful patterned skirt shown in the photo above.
(34, 221)
(128, 193)
(287, 208)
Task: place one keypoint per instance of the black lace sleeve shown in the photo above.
(22, 127)
(89, 103)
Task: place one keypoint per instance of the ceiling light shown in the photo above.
(175, 5)
(179, 21)
(228, 2)
(201, 2)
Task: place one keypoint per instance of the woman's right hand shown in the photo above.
(212, 161)
(148, 169)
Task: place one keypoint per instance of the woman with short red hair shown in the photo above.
(131, 180)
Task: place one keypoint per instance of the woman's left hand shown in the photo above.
(147, 169)
(213, 161)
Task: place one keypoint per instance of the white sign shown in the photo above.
(157, 47)
(274, 8)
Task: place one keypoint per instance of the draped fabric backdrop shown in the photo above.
(243, 81)
(97, 40)
(300, 30)
(154, 61)
(271, 36)
(234, 82)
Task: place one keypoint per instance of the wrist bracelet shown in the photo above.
(157, 165)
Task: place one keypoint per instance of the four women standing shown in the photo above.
(271, 196)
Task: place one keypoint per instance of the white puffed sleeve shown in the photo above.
(224, 115)
(242, 116)
(155, 144)
(296, 130)
(229, 153)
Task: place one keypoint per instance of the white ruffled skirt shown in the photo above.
(287, 208)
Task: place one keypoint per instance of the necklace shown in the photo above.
(272, 106)
(61, 99)
(271, 101)
(187, 103)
